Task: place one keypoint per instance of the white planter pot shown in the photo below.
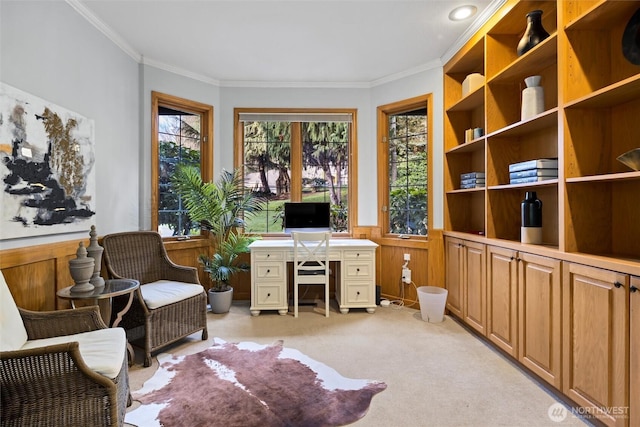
(220, 302)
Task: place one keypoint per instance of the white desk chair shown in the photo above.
(310, 263)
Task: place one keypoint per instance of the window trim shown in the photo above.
(383, 113)
(238, 158)
(159, 99)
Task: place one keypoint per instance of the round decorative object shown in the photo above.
(81, 270)
(95, 251)
(631, 159)
(531, 219)
(631, 39)
(532, 98)
(534, 33)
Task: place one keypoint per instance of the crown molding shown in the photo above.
(180, 71)
(480, 20)
(138, 57)
(105, 29)
(436, 63)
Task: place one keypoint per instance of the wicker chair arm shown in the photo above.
(180, 273)
(47, 324)
(53, 377)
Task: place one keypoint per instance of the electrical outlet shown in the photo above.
(407, 257)
(406, 275)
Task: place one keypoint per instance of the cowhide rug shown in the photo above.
(248, 384)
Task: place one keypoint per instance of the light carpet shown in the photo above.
(248, 384)
(437, 374)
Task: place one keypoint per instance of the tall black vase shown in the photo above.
(534, 33)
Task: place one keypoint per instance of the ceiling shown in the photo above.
(295, 42)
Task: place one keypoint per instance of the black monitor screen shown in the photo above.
(306, 216)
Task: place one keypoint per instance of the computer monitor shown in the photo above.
(307, 216)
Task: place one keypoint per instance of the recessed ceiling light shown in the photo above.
(462, 12)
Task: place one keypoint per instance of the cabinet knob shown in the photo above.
(358, 293)
(633, 288)
(358, 254)
(358, 270)
(268, 271)
(618, 285)
(268, 255)
(268, 295)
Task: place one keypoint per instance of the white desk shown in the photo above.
(355, 283)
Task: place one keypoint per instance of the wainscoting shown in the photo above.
(35, 273)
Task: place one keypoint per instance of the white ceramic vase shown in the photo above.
(532, 98)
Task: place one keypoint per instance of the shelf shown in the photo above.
(543, 120)
(540, 57)
(603, 15)
(469, 102)
(466, 190)
(539, 184)
(468, 147)
(612, 95)
(611, 177)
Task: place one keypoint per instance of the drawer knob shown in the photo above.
(358, 270)
(268, 255)
(268, 271)
(268, 295)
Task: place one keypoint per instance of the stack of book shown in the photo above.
(472, 180)
(533, 171)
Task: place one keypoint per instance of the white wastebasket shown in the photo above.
(432, 301)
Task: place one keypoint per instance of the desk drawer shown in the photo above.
(268, 255)
(353, 269)
(268, 296)
(358, 255)
(269, 271)
(359, 293)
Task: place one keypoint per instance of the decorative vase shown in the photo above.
(531, 210)
(95, 251)
(220, 301)
(532, 98)
(81, 269)
(533, 34)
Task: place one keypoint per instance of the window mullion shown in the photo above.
(296, 161)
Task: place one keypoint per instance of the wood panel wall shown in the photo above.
(35, 273)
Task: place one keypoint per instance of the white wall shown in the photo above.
(50, 51)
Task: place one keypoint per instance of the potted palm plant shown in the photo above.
(220, 208)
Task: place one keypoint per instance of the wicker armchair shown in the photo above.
(46, 379)
(167, 307)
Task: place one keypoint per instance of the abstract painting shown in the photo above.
(46, 167)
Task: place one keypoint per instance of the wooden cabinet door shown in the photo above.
(634, 352)
(502, 298)
(539, 316)
(453, 279)
(474, 286)
(596, 336)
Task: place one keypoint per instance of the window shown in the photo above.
(404, 132)
(298, 155)
(181, 134)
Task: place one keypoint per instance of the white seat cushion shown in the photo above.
(165, 292)
(102, 350)
(13, 334)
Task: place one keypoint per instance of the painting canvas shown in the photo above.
(46, 166)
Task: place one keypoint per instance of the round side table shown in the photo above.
(103, 297)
